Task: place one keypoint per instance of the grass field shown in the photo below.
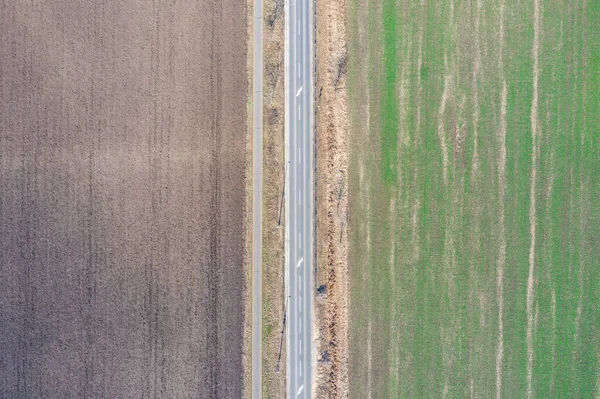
(474, 199)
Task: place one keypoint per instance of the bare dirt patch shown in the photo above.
(122, 170)
(331, 309)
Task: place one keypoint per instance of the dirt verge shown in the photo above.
(331, 309)
(274, 356)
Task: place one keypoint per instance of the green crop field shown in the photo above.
(474, 199)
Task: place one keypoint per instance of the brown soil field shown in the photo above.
(123, 172)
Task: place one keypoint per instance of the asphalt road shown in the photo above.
(300, 194)
(257, 82)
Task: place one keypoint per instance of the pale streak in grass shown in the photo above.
(369, 315)
(502, 189)
(476, 72)
(598, 375)
(553, 298)
(548, 195)
(441, 133)
(419, 85)
(502, 252)
(532, 210)
(417, 205)
(581, 229)
(369, 360)
(395, 362)
(365, 182)
(579, 275)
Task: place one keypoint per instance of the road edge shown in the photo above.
(313, 173)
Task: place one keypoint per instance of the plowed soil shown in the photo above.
(122, 175)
